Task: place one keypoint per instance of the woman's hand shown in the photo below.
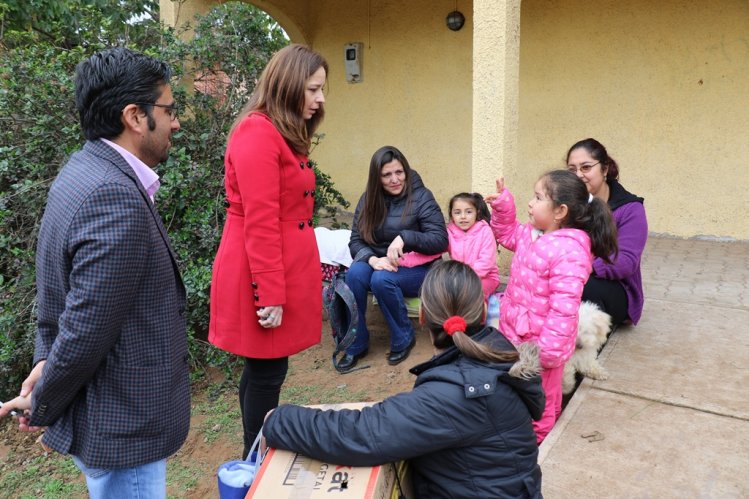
(395, 250)
(270, 316)
(495, 195)
(382, 264)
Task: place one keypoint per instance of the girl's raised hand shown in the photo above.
(494, 195)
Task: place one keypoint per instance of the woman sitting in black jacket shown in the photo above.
(396, 214)
(466, 425)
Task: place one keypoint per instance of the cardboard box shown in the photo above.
(288, 474)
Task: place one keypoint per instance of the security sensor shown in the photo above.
(352, 53)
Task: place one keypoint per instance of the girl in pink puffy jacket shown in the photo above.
(471, 239)
(551, 264)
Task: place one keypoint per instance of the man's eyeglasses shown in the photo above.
(173, 108)
(582, 168)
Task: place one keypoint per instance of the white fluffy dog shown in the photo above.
(592, 329)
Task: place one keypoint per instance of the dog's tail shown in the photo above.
(529, 364)
(592, 321)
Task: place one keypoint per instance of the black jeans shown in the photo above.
(259, 390)
(609, 296)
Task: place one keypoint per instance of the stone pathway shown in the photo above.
(672, 420)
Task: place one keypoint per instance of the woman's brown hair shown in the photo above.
(280, 94)
(374, 211)
(609, 167)
(452, 288)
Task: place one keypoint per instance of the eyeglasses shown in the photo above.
(582, 168)
(173, 108)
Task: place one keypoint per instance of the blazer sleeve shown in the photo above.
(404, 426)
(504, 223)
(256, 158)
(360, 250)
(108, 246)
(431, 238)
(632, 234)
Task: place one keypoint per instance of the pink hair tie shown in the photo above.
(454, 324)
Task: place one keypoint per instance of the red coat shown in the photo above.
(268, 253)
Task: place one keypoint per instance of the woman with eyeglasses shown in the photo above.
(615, 287)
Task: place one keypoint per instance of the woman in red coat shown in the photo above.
(266, 301)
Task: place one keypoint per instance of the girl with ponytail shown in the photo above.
(553, 256)
(465, 427)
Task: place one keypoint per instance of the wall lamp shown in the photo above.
(455, 20)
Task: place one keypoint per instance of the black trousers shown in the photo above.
(609, 296)
(259, 391)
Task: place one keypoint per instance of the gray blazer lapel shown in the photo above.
(102, 150)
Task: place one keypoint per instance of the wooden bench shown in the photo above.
(412, 305)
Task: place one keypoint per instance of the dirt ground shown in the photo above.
(313, 380)
(215, 433)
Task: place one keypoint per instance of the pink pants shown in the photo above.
(551, 381)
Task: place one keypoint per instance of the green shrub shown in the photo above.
(39, 130)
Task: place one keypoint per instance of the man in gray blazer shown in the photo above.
(111, 367)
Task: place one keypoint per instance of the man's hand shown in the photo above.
(18, 404)
(30, 382)
(27, 387)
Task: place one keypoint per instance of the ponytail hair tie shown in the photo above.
(454, 324)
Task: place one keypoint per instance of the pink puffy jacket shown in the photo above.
(476, 247)
(546, 282)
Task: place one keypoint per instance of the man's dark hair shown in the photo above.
(111, 79)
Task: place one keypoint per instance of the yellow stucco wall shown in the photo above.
(415, 94)
(663, 85)
(496, 54)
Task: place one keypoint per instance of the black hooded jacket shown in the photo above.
(422, 228)
(466, 427)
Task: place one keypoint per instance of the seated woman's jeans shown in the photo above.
(389, 288)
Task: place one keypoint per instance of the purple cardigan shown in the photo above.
(632, 234)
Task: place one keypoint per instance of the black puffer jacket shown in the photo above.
(466, 427)
(422, 229)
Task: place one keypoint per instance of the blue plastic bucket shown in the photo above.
(241, 479)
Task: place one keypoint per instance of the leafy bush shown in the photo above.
(39, 130)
